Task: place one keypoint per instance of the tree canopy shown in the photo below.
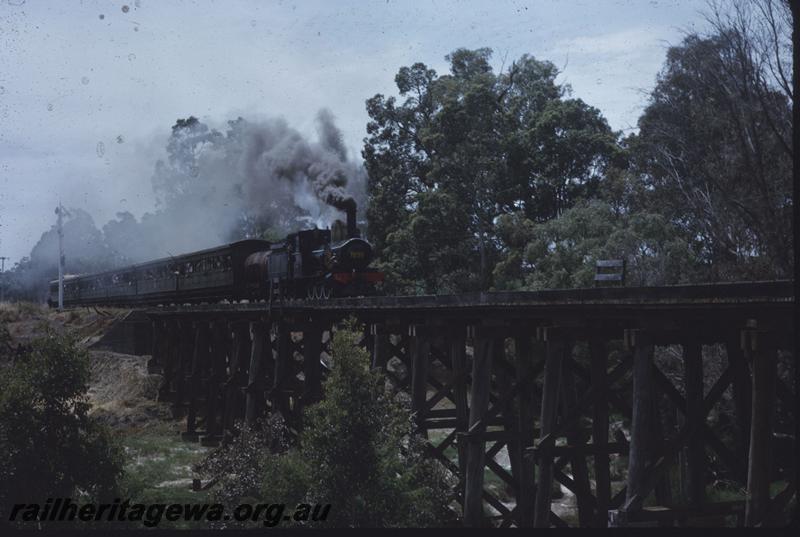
(465, 148)
(483, 180)
(711, 147)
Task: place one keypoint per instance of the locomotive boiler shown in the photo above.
(315, 264)
(311, 264)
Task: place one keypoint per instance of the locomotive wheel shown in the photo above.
(310, 292)
(326, 292)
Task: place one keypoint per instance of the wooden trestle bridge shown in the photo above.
(537, 373)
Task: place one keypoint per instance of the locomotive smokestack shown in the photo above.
(348, 205)
(352, 231)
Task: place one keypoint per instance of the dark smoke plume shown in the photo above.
(258, 178)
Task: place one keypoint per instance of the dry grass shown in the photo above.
(25, 320)
(12, 312)
(122, 393)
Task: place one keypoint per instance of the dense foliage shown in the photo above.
(712, 147)
(481, 180)
(463, 149)
(51, 447)
(356, 452)
(559, 253)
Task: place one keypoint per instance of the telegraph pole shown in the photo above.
(60, 212)
(795, 7)
(2, 278)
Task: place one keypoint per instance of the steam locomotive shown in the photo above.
(311, 264)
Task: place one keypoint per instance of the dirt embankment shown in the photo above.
(121, 391)
(25, 321)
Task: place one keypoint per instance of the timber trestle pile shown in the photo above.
(528, 389)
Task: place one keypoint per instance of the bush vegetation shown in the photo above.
(357, 452)
(51, 447)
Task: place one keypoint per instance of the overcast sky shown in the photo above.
(90, 89)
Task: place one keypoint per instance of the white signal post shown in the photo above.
(59, 212)
(2, 278)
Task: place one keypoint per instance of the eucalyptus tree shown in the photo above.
(713, 150)
(466, 147)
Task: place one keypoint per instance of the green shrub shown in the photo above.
(356, 452)
(239, 466)
(51, 447)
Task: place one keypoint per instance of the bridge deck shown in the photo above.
(754, 297)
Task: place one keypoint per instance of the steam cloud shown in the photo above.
(274, 154)
(256, 178)
(217, 187)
